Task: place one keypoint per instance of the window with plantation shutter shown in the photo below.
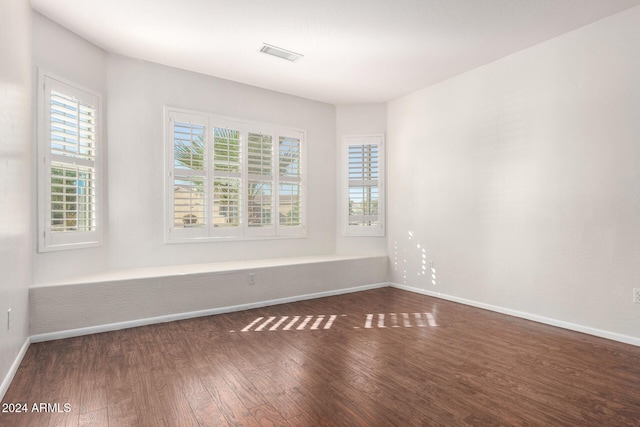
(69, 167)
(364, 185)
(232, 179)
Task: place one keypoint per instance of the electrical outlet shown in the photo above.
(636, 295)
(252, 278)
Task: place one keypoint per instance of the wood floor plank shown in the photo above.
(206, 411)
(98, 418)
(232, 408)
(237, 382)
(382, 361)
(172, 403)
(61, 419)
(280, 397)
(303, 420)
(267, 416)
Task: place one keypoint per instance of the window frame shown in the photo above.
(211, 233)
(48, 240)
(377, 230)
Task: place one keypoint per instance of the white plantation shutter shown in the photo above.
(231, 179)
(227, 178)
(189, 176)
(260, 182)
(290, 182)
(69, 173)
(73, 128)
(72, 198)
(364, 159)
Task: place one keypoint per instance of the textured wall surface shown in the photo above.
(95, 302)
(134, 96)
(15, 178)
(356, 119)
(67, 56)
(138, 92)
(519, 180)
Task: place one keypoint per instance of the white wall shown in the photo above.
(521, 180)
(15, 178)
(350, 120)
(137, 93)
(62, 53)
(134, 94)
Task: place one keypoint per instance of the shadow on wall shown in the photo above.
(410, 260)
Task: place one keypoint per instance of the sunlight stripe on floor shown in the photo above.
(405, 320)
(394, 320)
(409, 320)
(304, 323)
(250, 325)
(313, 322)
(431, 320)
(290, 324)
(367, 324)
(278, 323)
(265, 323)
(330, 321)
(381, 321)
(319, 320)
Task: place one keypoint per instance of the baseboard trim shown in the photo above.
(50, 336)
(14, 368)
(534, 317)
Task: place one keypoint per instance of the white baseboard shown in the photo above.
(6, 382)
(536, 318)
(192, 314)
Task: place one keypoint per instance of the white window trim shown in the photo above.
(351, 230)
(47, 240)
(242, 232)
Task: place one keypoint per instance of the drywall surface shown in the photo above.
(134, 96)
(356, 119)
(15, 179)
(61, 53)
(115, 299)
(138, 92)
(519, 180)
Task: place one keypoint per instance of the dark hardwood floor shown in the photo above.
(384, 357)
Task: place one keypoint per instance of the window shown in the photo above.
(364, 185)
(69, 173)
(232, 179)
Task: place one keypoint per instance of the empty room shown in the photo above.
(319, 213)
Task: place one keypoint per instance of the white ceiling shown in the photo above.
(355, 51)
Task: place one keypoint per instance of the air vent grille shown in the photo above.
(280, 53)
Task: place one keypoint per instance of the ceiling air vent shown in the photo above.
(280, 53)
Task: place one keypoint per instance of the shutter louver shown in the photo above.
(289, 182)
(363, 176)
(260, 180)
(72, 137)
(189, 181)
(227, 177)
(72, 198)
(73, 128)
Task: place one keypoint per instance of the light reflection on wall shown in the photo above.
(413, 262)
